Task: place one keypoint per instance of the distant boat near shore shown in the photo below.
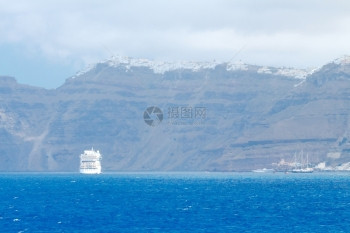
(303, 170)
(300, 167)
(264, 170)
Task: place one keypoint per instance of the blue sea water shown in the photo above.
(175, 202)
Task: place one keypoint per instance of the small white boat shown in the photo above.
(302, 169)
(264, 170)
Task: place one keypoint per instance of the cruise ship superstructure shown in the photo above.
(90, 162)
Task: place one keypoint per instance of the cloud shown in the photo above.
(296, 33)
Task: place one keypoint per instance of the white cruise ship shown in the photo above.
(90, 162)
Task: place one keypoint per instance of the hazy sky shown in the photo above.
(44, 42)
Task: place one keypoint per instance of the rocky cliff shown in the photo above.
(215, 116)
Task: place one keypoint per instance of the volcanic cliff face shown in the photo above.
(216, 116)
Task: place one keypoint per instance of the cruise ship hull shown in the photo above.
(90, 171)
